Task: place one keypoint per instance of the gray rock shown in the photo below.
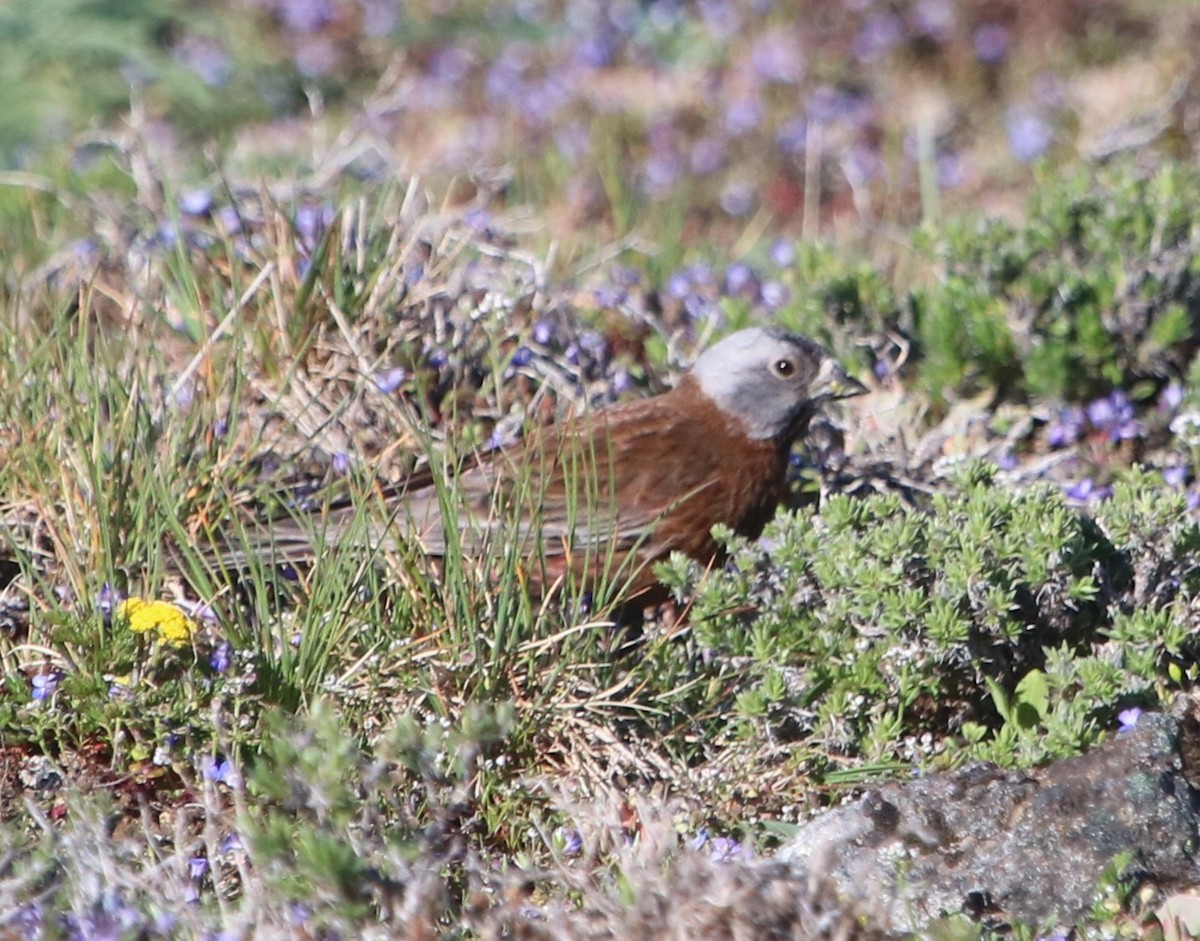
(1009, 846)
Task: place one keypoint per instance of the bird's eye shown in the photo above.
(784, 368)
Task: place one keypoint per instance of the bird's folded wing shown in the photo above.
(594, 486)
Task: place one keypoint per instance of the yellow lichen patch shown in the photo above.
(171, 625)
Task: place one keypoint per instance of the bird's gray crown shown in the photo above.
(744, 377)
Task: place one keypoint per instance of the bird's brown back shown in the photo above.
(656, 476)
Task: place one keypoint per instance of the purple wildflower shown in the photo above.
(1081, 490)
(933, 18)
(390, 380)
(1128, 719)
(738, 277)
(791, 137)
(951, 170)
(1029, 136)
(45, 684)
(312, 220)
(220, 770)
(721, 17)
(480, 220)
(775, 57)
(196, 202)
(305, 16)
(1065, 429)
(678, 286)
(1171, 397)
(107, 599)
(991, 43)
(572, 841)
(1086, 491)
(379, 17)
(775, 294)
(743, 115)
(1175, 477)
(737, 198)
(299, 913)
(448, 65)
(596, 50)
(228, 220)
(499, 438)
(881, 31)
(1114, 415)
(543, 332)
(727, 850)
(205, 57)
(594, 343)
(708, 156)
(661, 172)
(783, 253)
(221, 657)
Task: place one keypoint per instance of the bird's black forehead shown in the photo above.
(802, 344)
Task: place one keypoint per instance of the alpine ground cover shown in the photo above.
(970, 568)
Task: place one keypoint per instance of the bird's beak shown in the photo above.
(832, 382)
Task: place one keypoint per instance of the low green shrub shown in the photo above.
(1008, 620)
(1097, 289)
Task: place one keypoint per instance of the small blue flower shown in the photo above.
(879, 34)
(743, 115)
(678, 286)
(45, 684)
(390, 380)
(783, 253)
(196, 202)
(991, 43)
(738, 278)
(1171, 397)
(1081, 490)
(776, 57)
(1065, 429)
(220, 770)
(727, 850)
(543, 332)
(707, 156)
(572, 841)
(1128, 719)
(738, 198)
(775, 294)
(221, 657)
(107, 599)
(480, 220)
(1175, 477)
(1029, 136)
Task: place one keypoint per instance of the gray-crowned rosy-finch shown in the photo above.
(609, 493)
